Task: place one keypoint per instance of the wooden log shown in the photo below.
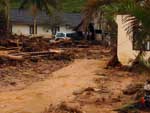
(5, 54)
(51, 51)
(58, 51)
(20, 56)
(11, 57)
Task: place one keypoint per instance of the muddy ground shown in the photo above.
(22, 75)
(78, 84)
(107, 96)
(17, 75)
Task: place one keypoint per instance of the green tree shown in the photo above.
(5, 5)
(139, 9)
(39, 5)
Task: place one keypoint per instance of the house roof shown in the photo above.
(25, 17)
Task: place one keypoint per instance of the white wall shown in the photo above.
(41, 30)
(125, 46)
(25, 30)
(20, 29)
(65, 29)
(45, 32)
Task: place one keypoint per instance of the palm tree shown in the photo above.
(139, 9)
(36, 5)
(92, 8)
(139, 19)
(6, 6)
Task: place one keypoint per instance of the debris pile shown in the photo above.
(21, 48)
(133, 89)
(65, 108)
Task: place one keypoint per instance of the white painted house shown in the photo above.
(126, 50)
(22, 23)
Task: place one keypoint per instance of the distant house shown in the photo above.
(22, 22)
(127, 50)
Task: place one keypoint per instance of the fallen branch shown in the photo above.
(7, 55)
(20, 56)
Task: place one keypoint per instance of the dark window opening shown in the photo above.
(32, 30)
(141, 45)
(11, 27)
(68, 27)
(55, 29)
(140, 42)
(97, 31)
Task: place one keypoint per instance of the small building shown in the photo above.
(127, 51)
(22, 23)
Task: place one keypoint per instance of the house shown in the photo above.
(126, 47)
(22, 22)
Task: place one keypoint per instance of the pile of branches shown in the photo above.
(22, 48)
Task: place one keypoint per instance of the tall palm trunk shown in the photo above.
(35, 26)
(34, 11)
(113, 62)
(8, 20)
(7, 11)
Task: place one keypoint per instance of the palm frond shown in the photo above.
(46, 5)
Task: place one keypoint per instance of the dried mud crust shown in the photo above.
(19, 76)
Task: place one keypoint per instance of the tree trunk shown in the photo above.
(137, 59)
(35, 25)
(114, 60)
(8, 16)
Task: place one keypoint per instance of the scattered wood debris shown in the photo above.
(133, 88)
(65, 108)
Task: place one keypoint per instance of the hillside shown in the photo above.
(67, 5)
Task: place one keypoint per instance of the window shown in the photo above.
(145, 45)
(68, 27)
(32, 30)
(139, 43)
(55, 29)
(148, 45)
(11, 28)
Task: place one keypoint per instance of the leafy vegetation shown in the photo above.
(73, 5)
(137, 11)
(36, 5)
(67, 5)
